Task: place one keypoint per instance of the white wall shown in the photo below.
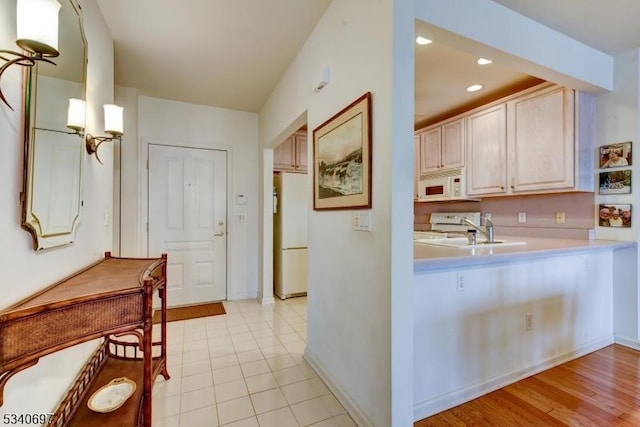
(617, 121)
(618, 115)
(126, 205)
(188, 125)
(357, 280)
(480, 333)
(38, 389)
(626, 320)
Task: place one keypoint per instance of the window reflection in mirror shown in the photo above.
(53, 154)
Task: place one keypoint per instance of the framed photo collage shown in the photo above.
(614, 178)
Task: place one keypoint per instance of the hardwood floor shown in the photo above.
(600, 389)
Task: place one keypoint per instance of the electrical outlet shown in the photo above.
(528, 321)
(459, 282)
(522, 217)
(560, 219)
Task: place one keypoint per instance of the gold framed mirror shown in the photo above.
(52, 182)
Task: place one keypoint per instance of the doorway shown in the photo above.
(188, 221)
(292, 196)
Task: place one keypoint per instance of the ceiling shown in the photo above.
(442, 74)
(225, 53)
(609, 26)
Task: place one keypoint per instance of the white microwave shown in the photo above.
(443, 186)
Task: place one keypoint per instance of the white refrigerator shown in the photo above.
(292, 192)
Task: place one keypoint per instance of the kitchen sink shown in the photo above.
(462, 242)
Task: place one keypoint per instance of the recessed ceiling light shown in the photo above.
(474, 88)
(422, 40)
(483, 61)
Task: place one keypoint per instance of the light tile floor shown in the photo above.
(244, 369)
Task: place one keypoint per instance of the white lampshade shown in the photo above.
(113, 119)
(37, 26)
(75, 118)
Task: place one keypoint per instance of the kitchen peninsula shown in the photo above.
(485, 317)
(428, 257)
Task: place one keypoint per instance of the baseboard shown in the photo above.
(441, 403)
(266, 299)
(356, 413)
(634, 344)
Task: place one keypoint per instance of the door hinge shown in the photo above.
(147, 164)
(147, 227)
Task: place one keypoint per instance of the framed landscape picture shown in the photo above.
(342, 158)
(614, 215)
(615, 155)
(615, 182)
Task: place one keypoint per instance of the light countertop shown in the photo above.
(430, 257)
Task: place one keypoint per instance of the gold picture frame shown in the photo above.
(342, 158)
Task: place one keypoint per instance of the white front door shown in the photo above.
(188, 221)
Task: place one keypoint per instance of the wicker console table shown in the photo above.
(109, 299)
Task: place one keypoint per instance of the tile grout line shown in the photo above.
(261, 326)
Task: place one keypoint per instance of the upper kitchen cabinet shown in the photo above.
(541, 140)
(291, 154)
(416, 165)
(441, 146)
(538, 141)
(487, 148)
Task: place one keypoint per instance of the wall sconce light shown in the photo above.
(112, 125)
(37, 34)
(75, 116)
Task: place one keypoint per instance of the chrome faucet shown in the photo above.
(488, 228)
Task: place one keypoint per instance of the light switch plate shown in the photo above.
(361, 220)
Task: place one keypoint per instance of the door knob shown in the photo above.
(220, 233)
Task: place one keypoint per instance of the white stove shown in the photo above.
(447, 224)
(443, 222)
(421, 235)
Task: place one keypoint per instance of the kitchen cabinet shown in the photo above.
(538, 141)
(429, 150)
(416, 165)
(487, 148)
(291, 154)
(442, 146)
